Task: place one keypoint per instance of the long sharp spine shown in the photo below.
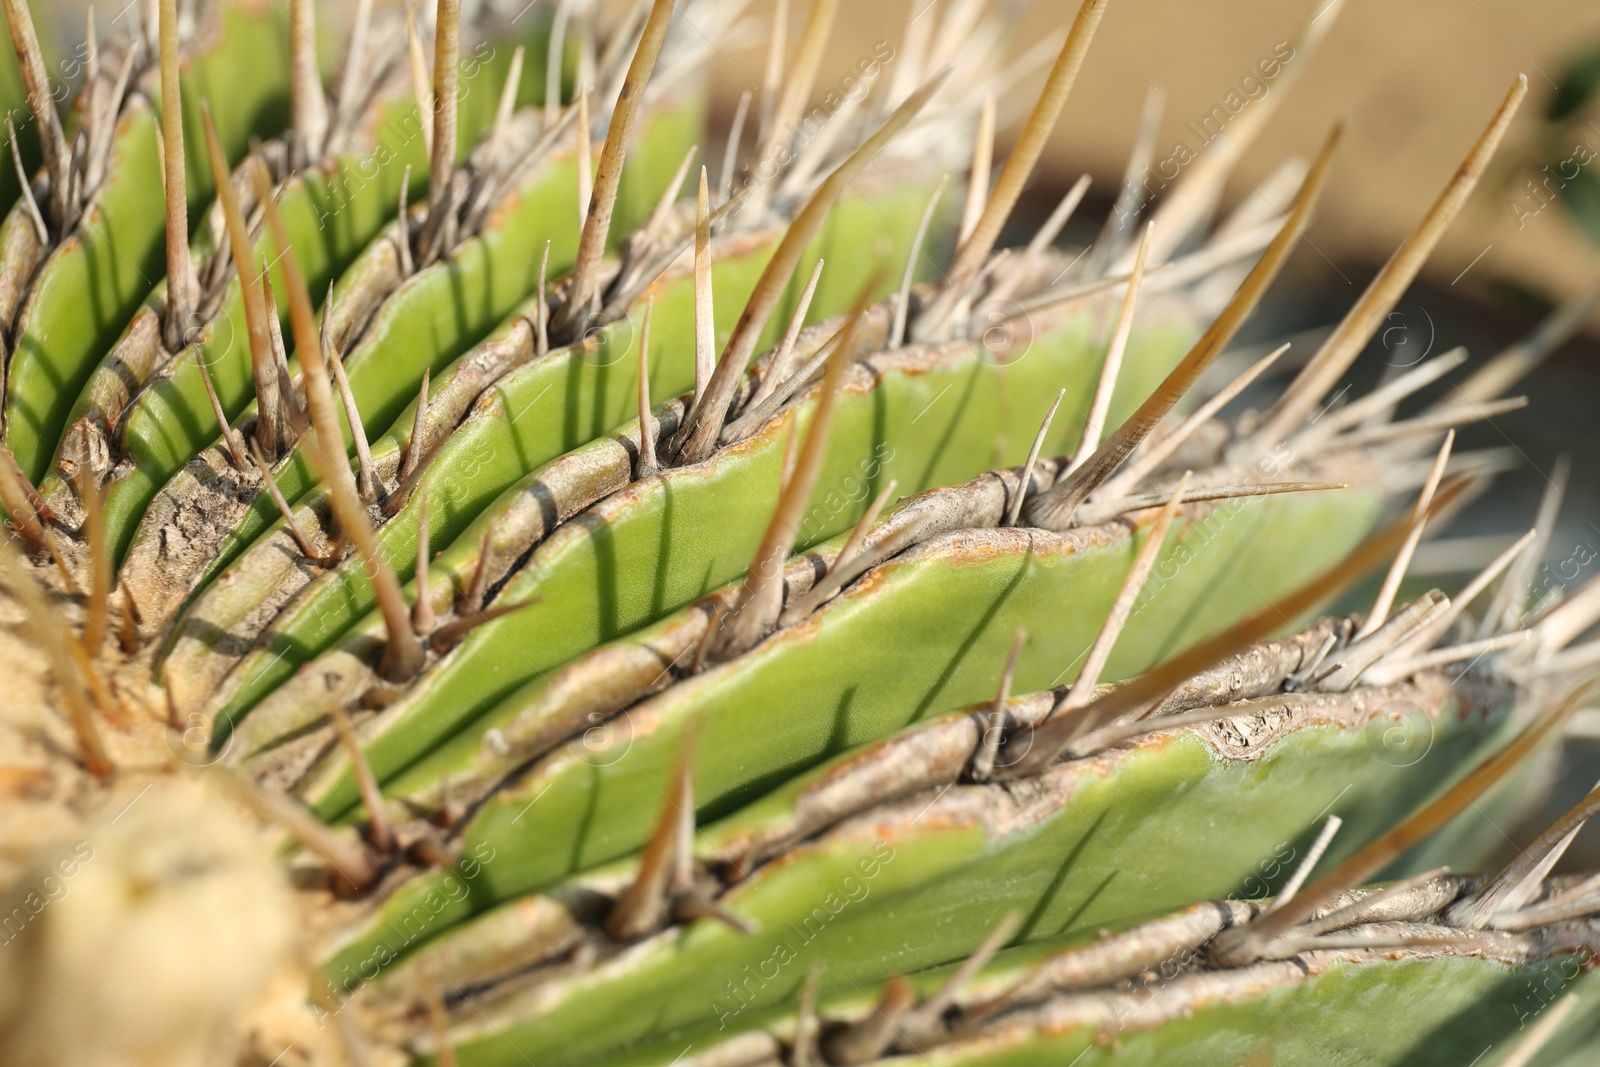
(644, 906)
(180, 297)
(18, 498)
(989, 747)
(1100, 406)
(308, 104)
(1082, 691)
(421, 84)
(403, 654)
(230, 440)
(647, 438)
(978, 173)
(419, 431)
(597, 221)
(41, 100)
(730, 156)
(778, 137)
(366, 474)
(263, 364)
(902, 304)
(442, 151)
(25, 185)
(1402, 559)
(761, 597)
(378, 829)
(974, 251)
(1347, 341)
(1509, 603)
(291, 524)
(705, 326)
(422, 617)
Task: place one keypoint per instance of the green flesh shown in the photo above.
(907, 886)
(441, 311)
(1143, 831)
(697, 528)
(864, 667)
(332, 214)
(92, 284)
(14, 101)
(1408, 1013)
(537, 413)
(1402, 1013)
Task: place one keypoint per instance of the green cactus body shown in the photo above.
(535, 413)
(671, 721)
(875, 687)
(441, 311)
(645, 552)
(920, 882)
(91, 285)
(767, 717)
(333, 211)
(1418, 1009)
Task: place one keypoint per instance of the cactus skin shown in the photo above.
(1130, 842)
(779, 712)
(1416, 1010)
(108, 266)
(525, 419)
(688, 733)
(334, 210)
(879, 428)
(440, 312)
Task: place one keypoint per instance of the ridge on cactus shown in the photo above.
(499, 582)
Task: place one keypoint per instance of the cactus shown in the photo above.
(560, 619)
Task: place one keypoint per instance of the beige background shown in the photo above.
(1415, 80)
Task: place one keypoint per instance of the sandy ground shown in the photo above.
(171, 864)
